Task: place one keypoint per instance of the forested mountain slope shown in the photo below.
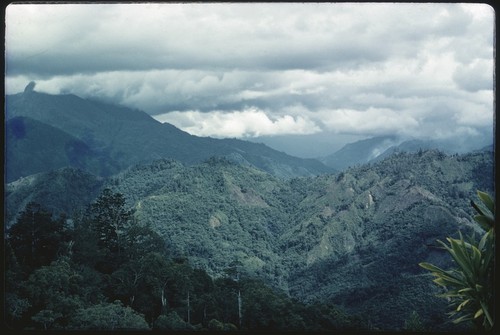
(378, 148)
(33, 147)
(122, 137)
(361, 233)
(353, 238)
(62, 191)
(359, 152)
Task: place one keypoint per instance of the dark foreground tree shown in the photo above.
(36, 238)
(110, 219)
(100, 234)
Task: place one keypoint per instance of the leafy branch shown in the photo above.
(470, 286)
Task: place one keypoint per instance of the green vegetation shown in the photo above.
(63, 191)
(240, 242)
(470, 286)
(30, 143)
(315, 253)
(107, 316)
(46, 132)
(110, 272)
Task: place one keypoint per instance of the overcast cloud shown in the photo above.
(243, 70)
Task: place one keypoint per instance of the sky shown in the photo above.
(304, 70)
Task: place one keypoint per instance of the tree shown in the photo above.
(15, 304)
(172, 321)
(216, 326)
(202, 299)
(181, 286)
(109, 221)
(54, 292)
(46, 317)
(36, 238)
(86, 251)
(414, 323)
(126, 280)
(470, 286)
(142, 284)
(141, 240)
(106, 316)
(15, 307)
(234, 273)
(225, 302)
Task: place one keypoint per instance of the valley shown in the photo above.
(347, 235)
(335, 238)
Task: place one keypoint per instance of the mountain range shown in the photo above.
(352, 238)
(104, 139)
(379, 147)
(360, 152)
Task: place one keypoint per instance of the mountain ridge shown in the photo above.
(359, 152)
(126, 136)
(49, 149)
(353, 238)
(380, 147)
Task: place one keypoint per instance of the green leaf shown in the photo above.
(485, 210)
(485, 222)
(476, 207)
(459, 254)
(444, 245)
(445, 280)
(462, 319)
(476, 258)
(478, 313)
(482, 242)
(430, 267)
(448, 295)
(462, 305)
(487, 314)
(487, 201)
(443, 277)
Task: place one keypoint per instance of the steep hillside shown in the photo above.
(353, 238)
(66, 190)
(215, 213)
(410, 146)
(33, 147)
(378, 148)
(360, 152)
(337, 238)
(359, 235)
(127, 137)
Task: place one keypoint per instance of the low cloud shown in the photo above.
(373, 121)
(250, 122)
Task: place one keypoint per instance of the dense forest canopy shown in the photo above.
(219, 245)
(109, 271)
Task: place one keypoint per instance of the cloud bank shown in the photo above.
(244, 70)
(250, 122)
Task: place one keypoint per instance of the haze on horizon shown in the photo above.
(319, 74)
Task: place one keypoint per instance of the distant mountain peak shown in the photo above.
(30, 87)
